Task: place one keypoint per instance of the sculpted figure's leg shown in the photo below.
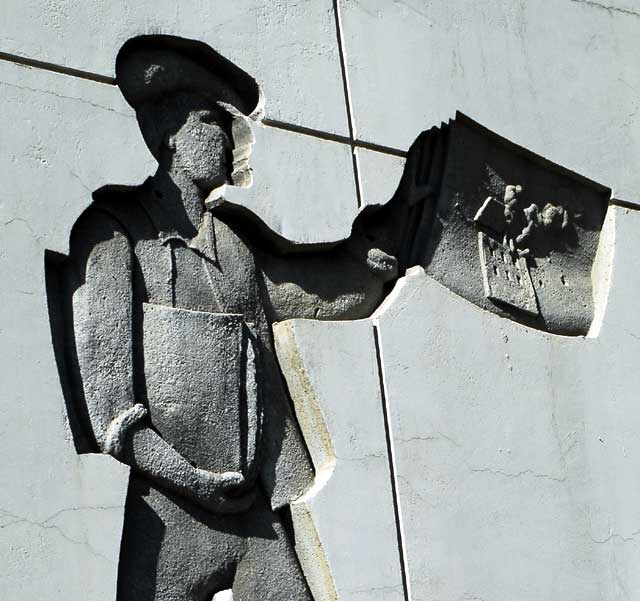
(269, 569)
(142, 534)
(172, 550)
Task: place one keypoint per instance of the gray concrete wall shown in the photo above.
(560, 77)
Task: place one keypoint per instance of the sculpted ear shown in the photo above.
(169, 142)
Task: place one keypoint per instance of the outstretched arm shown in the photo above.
(348, 279)
(99, 273)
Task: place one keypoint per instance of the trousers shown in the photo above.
(174, 550)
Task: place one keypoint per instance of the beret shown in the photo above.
(150, 67)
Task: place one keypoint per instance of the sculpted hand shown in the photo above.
(382, 264)
(221, 492)
(364, 248)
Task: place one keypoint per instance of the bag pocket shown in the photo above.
(202, 385)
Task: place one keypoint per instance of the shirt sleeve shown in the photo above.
(101, 288)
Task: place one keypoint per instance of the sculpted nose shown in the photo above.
(241, 130)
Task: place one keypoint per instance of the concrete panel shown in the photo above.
(303, 187)
(516, 451)
(60, 514)
(63, 542)
(290, 47)
(64, 137)
(560, 78)
(345, 526)
(379, 175)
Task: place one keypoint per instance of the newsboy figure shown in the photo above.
(170, 293)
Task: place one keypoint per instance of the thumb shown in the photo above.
(231, 478)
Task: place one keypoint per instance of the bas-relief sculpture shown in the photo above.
(166, 301)
(512, 232)
(162, 312)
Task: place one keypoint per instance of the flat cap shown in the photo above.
(150, 67)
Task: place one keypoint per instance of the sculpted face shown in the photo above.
(193, 108)
(211, 144)
(202, 147)
(243, 139)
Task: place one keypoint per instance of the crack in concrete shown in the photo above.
(416, 11)
(364, 457)
(431, 438)
(365, 9)
(80, 180)
(374, 589)
(615, 535)
(24, 222)
(526, 472)
(350, 140)
(64, 97)
(608, 8)
(46, 525)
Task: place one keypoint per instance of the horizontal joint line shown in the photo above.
(299, 129)
(381, 148)
(323, 135)
(625, 204)
(30, 62)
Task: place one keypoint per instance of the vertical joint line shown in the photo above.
(392, 469)
(347, 99)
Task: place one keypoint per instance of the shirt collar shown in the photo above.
(204, 242)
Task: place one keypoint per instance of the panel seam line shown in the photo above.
(317, 133)
(292, 127)
(347, 100)
(402, 553)
(79, 73)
